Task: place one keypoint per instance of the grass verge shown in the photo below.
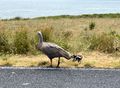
(90, 60)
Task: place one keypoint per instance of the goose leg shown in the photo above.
(58, 62)
(50, 62)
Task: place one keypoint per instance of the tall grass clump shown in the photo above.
(94, 42)
(47, 34)
(103, 42)
(33, 41)
(117, 39)
(21, 42)
(67, 35)
(4, 44)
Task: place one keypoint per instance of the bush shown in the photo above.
(104, 43)
(21, 42)
(4, 45)
(16, 18)
(33, 40)
(91, 25)
(94, 42)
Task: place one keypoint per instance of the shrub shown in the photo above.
(104, 43)
(33, 43)
(113, 33)
(91, 25)
(21, 42)
(4, 45)
(94, 42)
(16, 18)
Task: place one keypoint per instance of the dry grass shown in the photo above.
(76, 25)
(100, 60)
(91, 59)
(69, 34)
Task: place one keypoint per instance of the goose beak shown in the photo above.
(77, 58)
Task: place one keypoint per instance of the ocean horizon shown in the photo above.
(40, 8)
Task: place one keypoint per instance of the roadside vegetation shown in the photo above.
(97, 34)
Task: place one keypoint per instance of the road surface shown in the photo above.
(58, 78)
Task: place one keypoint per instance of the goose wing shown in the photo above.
(54, 50)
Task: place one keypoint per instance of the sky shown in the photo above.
(36, 8)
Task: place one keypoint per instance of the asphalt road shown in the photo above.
(59, 78)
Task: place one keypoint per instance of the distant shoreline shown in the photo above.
(103, 15)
